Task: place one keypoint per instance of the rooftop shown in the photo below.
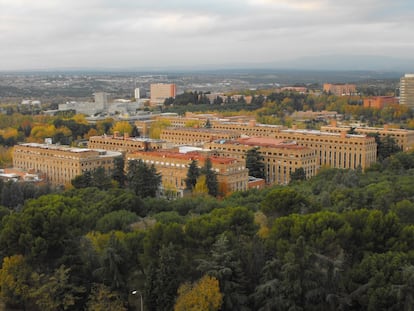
(320, 133)
(202, 130)
(263, 142)
(189, 156)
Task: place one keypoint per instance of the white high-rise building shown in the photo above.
(139, 93)
(407, 90)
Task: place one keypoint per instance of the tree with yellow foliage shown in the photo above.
(5, 157)
(80, 118)
(14, 281)
(91, 132)
(203, 295)
(103, 299)
(193, 123)
(157, 127)
(104, 126)
(122, 127)
(201, 186)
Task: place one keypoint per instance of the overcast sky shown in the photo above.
(50, 34)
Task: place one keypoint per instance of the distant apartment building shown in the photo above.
(139, 93)
(232, 174)
(379, 102)
(161, 91)
(281, 158)
(124, 143)
(339, 89)
(407, 90)
(298, 89)
(195, 136)
(60, 164)
(404, 138)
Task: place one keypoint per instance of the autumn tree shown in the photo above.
(104, 126)
(224, 265)
(157, 127)
(122, 127)
(55, 292)
(201, 186)
(204, 295)
(102, 298)
(15, 281)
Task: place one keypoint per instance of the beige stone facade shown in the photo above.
(232, 174)
(404, 138)
(379, 102)
(61, 164)
(281, 158)
(161, 91)
(337, 150)
(340, 89)
(250, 128)
(195, 136)
(124, 143)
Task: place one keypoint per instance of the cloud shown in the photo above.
(57, 33)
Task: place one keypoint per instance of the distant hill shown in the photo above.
(348, 63)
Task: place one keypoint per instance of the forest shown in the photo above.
(342, 240)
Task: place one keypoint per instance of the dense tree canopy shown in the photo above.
(342, 240)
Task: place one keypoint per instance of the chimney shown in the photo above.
(116, 134)
(126, 136)
(343, 134)
(334, 123)
(252, 123)
(386, 127)
(294, 127)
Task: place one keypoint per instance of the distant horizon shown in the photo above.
(203, 69)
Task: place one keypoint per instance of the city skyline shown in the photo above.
(43, 35)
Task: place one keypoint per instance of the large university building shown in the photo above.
(232, 174)
(60, 163)
(195, 136)
(281, 158)
(407, 90)
(250, 128)
(337, 150)
(124, 143)
(404, 138)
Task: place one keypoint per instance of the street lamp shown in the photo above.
(134, 292)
